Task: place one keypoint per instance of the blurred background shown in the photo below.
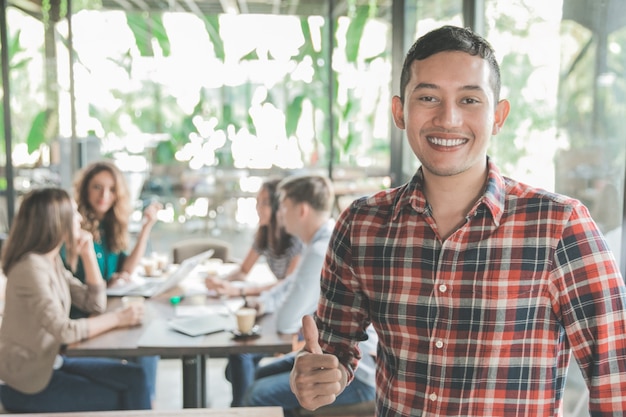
(199, 100)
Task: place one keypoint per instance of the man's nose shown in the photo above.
(449, 114)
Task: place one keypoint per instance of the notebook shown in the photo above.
(204, 324)
(151, 287)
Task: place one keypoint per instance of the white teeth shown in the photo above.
(446, 142)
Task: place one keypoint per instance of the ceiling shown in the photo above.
(213, 7)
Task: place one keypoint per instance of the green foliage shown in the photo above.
(164, 152)
(294, 111)
(42, 130)
(527, 115)
(355, 33)
(592, 106)
(22, 122)
(146, 27)
(17, 60)
(317, 91)
(509, 145)
(212, 25)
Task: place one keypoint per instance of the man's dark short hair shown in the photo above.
(446, 39)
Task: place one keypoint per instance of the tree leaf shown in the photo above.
(160, 34)
(145, 27)
(355, 32)
(212, 25)
(137, 24)
(294, 111)
(43, 126)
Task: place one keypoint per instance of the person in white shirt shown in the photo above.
(305, 205)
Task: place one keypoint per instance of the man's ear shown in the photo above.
(502, 112)
(397, 111)
(303, 209)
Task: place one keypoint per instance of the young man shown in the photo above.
(478, 286)
(305, 210)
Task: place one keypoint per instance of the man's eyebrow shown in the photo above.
(430, 86)
(421, 86)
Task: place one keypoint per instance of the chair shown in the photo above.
(189, 247)
(364, 409)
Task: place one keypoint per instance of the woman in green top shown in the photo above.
(103, 200)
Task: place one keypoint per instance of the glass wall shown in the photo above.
(564, 71)
(198, 107)
(198, 114)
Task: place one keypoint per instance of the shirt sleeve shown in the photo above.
(591, 302)
(342, 314)
(33, 287)
(88, 298)
(304, 290)
(297, 295)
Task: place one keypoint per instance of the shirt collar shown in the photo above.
(411, 194)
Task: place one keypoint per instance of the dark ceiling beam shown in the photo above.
(193, 8)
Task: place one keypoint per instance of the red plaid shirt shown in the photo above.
(483, 323)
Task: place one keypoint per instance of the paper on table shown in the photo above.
(225, 308)
(192, 310)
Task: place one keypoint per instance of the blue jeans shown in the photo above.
(271, 388)
(240, 373)
(85, 384)
(149, 365)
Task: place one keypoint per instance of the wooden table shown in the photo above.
(193, 351)
(230, 412)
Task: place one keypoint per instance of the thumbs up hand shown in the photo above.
(311, 335)
(316, 378)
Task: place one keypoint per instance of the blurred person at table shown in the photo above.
(103, 200)
(305, 204)
(36, 324)
(271, 384)
(271, 241)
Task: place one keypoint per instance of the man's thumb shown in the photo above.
(311, 335)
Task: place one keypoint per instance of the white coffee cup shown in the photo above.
(162, 261)
(246, 318)
(129, 300)
(150, 266)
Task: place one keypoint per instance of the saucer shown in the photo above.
(255, 332)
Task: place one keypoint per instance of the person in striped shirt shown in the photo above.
(481, 288)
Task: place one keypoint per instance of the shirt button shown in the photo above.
(433, 397)
(439, 344)
(98, 255)
(443, 288)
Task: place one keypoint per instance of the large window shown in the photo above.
(564, 71)
(199, 105)
(193, 108)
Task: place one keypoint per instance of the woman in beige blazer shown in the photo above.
(36, 324)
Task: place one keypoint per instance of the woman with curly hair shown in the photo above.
(103, 200)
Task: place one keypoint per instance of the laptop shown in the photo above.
(154, 286)
(203, 324)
